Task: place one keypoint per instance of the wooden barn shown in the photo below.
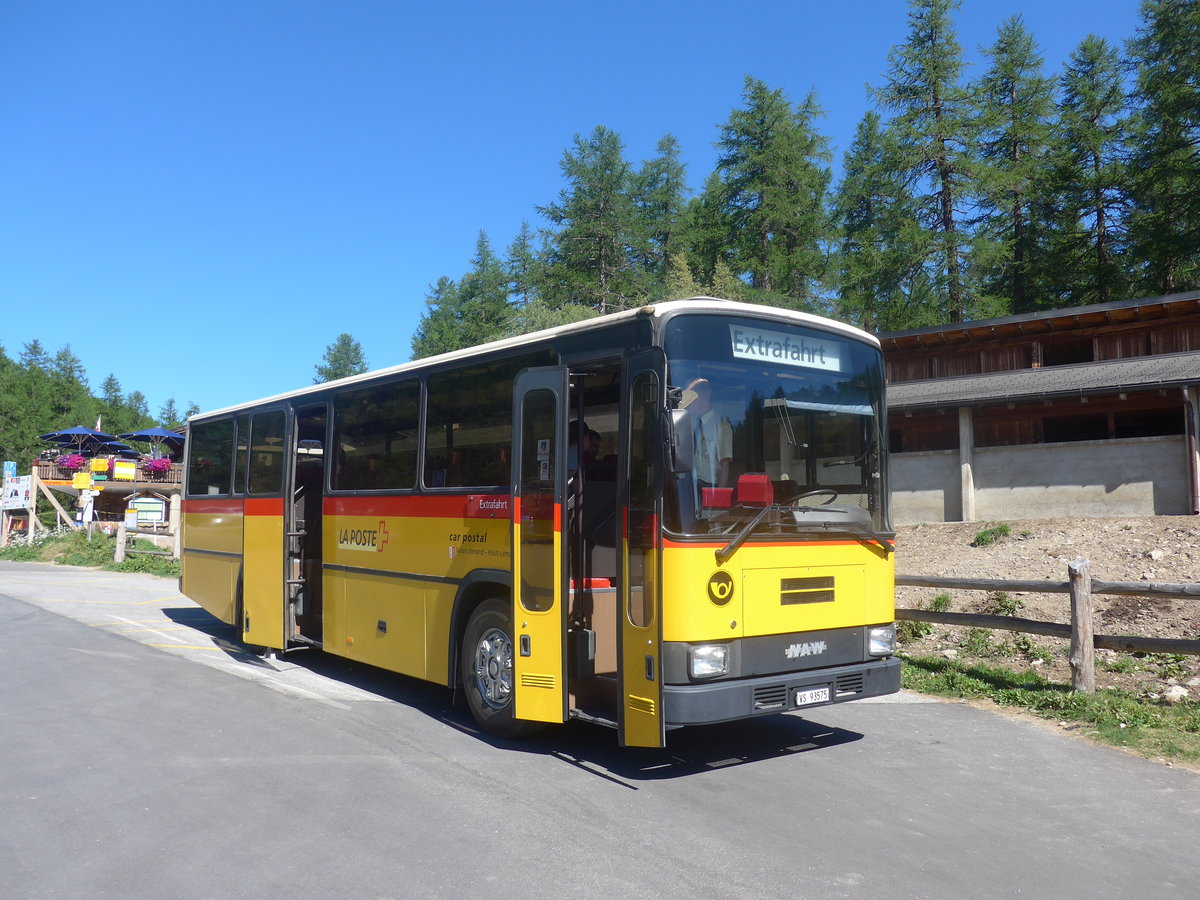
(1088, 411)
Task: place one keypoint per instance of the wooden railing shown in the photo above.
(1081, 586)
(46, 470)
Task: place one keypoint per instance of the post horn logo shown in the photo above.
(720, 588)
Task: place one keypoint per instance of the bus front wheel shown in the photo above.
(487, 671)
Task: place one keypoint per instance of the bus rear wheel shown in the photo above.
(487, 671)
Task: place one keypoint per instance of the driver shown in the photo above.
(713, 436)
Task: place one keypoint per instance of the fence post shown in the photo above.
(1083, 641)
(119, 553)
(175, 520)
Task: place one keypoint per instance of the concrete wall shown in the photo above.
(925, 487)
(1128, 477)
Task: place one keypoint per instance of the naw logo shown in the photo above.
(813, 648)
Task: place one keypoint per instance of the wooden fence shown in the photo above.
(1081, 586)
(124, 532)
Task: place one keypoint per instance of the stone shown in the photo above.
(1175, 693)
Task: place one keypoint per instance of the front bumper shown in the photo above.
(725, 701)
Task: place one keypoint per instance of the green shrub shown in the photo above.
(978, 642)
(991, 535)
(908, 631)
(1153, 729)
(1002, 604)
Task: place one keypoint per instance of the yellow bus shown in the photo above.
(669, 516)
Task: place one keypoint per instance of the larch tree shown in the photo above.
(773, 183)
(594, 226)
(879, 262)
(660, 200)
(343, 358)
(1086, 262)
(923, 88)
(520, 263)
(1165, 163)
(1013, 102)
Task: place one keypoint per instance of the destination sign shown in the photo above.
(805, 351)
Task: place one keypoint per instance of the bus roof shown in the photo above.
(657, 310)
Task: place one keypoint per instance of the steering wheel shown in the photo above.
(819, 492)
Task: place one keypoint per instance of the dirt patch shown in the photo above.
(1161, 549)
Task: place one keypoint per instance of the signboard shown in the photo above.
(10, 469)
(806, 351)
(149, 510)
(124, 470)
(18, 492)
(82, 481)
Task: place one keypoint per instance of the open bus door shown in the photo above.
(639, 603)
(539, 548)
(263, 606)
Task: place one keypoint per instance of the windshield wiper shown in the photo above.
(740, 538)
(877, 538)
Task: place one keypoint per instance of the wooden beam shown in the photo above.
(50, 496)
(1127, 643)
(1119, 588)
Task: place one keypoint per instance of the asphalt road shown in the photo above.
(141, 755)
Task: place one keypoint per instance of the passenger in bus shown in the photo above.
(713, 436)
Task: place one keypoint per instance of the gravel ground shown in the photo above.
(1160, 549)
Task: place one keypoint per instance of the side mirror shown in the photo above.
(682, 444)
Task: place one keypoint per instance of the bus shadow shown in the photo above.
(590, 748)
(689, 751)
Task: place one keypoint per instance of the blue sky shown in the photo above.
(199, 197)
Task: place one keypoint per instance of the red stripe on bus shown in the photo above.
(431, 506)
(798, 542)
(264, 506)
(213, 507)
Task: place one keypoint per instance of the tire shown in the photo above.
(486, 668)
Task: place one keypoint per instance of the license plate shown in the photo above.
(811, 696)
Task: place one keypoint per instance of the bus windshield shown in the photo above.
(779, 417)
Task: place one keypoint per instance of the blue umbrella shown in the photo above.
(118, 449)
(155, 436)
(79, 438)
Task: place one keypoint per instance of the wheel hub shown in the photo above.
(493, 667)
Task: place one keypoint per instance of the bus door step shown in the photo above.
(595, 720)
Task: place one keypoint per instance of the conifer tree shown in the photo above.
(726, 285)
(594, 227)
(680, 283)
(881, 248)
(707, 231)
(482, 296)
(439, 329)
(34, 356)
(168, 414)
(538, 314)
(1165, 170)
(1089, 197)
(773, 184)
(1013, 101)
(343, 358)
(521, 265)
(660, 198)
(923, 87)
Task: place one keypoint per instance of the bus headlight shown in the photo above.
(881, 640)
(708, 660)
